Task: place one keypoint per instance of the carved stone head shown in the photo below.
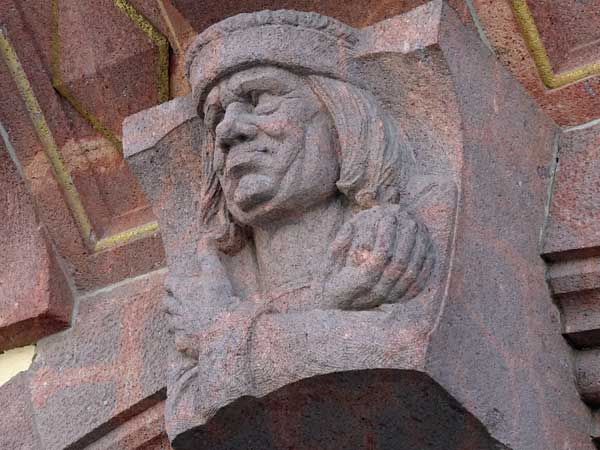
(286, 139)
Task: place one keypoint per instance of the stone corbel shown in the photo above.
(460, 364)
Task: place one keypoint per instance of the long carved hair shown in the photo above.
(375, 160)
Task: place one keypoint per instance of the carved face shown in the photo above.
(274, 147)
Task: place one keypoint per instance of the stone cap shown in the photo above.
(308, 42)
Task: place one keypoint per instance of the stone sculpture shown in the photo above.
(412, 307)
(305, 172)
(307, 194)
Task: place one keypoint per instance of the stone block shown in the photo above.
(569, 30)
(571, 246)
(87, 193)
(587, 368)
(354, 12)
(17, 426)
(575, 284)
(108, 368)
(560, 27)
(498, 288)
(35, 298)
(146, 431)
(108, 79)
(573, 229)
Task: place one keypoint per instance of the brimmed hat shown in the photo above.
(305, 42)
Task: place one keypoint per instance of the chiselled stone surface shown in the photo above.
(587, 368)
(106, 369)
(573, 228)
(293, 255)
(109, 79)
(17, 426)
(569, 30)
(35, 297)
(572, 247)
(572, 235)
(573, 103)
(421, 319)
(356, 13)
(78, 178)
(566, 28)
(146, 431)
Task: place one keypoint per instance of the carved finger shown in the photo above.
(385, 242)
(338, 249)
(423, 277)
(415, 265)
(343, 290)
(358, 288)
(371, 247)
(405, 242)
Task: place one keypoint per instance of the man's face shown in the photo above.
(274, 146)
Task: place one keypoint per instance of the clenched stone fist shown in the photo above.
(382, 255)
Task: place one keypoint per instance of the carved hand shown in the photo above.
(203, 309)
(195, 297)
(382, 255)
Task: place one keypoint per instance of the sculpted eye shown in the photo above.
(267, 103)
(254, 97)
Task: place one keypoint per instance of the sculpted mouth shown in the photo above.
(240, 163)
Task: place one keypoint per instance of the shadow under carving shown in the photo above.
(367, 409)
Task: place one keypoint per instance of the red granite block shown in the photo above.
(573, 228)
(17, 426)
(109, 195)
(106, 60)
(35, 298)
(108, 368)
(574, 103)
(490, 346)
(355, 12)
(569, 30)
(146, 431)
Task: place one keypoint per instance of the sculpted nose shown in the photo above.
(235, 128)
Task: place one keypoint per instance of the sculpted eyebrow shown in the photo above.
(263, 83)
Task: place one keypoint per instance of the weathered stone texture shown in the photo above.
(572, 247)
(575, 102)
(35, 297)
(77, 176)
(17, 427)
(380, 409)
(109, 79)
(497, 294)
(355, 13)
(106, 369)
(569, 30)
(145, 431)
(500, 323)
(573, 229)
(491, 371)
